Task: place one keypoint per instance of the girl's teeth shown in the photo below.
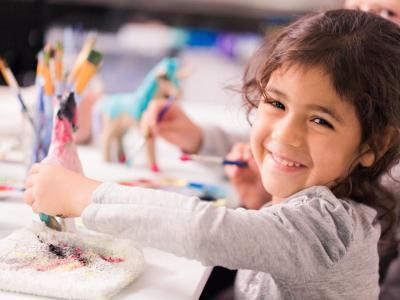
(286, 162)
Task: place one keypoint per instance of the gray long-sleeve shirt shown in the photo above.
(217, 141)
(311, 246)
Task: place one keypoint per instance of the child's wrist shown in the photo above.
(86, 196)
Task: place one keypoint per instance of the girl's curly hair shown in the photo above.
(361, 53)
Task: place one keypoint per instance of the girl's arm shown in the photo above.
(291, 241)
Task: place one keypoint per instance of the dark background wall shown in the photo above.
(23, 23)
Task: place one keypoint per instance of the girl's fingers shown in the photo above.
(35, 168)
(30, 180)
(28, 196)
(35, 208)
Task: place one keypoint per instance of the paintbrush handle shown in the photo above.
(238, 163)
(50, 222)
(25, 111)
(215, 160)
(165, 109)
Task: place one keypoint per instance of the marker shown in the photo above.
(214, 160)
(6, 188)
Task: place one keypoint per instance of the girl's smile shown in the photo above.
(284, 162)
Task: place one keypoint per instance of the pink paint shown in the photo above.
(185, 157)
(155, 168)
(113, 260)
(122, 158)
(62, 135)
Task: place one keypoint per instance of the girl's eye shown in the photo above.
(387, 13)
(323, 122)
(276, 104)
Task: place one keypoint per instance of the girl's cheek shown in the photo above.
(256, 147)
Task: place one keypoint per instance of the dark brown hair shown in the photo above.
(360, 52)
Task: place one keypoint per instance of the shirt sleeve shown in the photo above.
(217, 141)
(292, 241)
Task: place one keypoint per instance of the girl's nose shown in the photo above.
(289, 132)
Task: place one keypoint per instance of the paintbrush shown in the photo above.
(82, 56)
(147, 134)
(213, 159)
(50, 222)
(87, 71)
(48, 80)
(13, 84)
(58, 68)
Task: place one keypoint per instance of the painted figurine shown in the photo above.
(124, 110)
(62, 149)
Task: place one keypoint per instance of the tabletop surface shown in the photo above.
(166, 276)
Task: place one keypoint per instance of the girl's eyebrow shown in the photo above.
(315, 107)
(276, 91)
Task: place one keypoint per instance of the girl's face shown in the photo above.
(304, 134)
(389, 9)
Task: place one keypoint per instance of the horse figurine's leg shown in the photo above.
(165, 89)
(120, 147)
(151, 154)
(125, 121)
(107, 137)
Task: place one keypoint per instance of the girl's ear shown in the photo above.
(368, 157)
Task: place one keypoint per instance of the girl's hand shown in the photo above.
(54, 190)
(175, 126)
(246, 181)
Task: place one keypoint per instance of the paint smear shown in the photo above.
(67, 265)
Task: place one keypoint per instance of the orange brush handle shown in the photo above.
(58, 69)
(86, 73)
(48, 83)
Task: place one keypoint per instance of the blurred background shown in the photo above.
(213, 39)
(231, 26)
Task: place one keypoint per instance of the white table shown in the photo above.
(166, 276)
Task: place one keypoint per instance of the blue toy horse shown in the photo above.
(124, 110)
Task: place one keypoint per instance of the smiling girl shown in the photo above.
(327, 96)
